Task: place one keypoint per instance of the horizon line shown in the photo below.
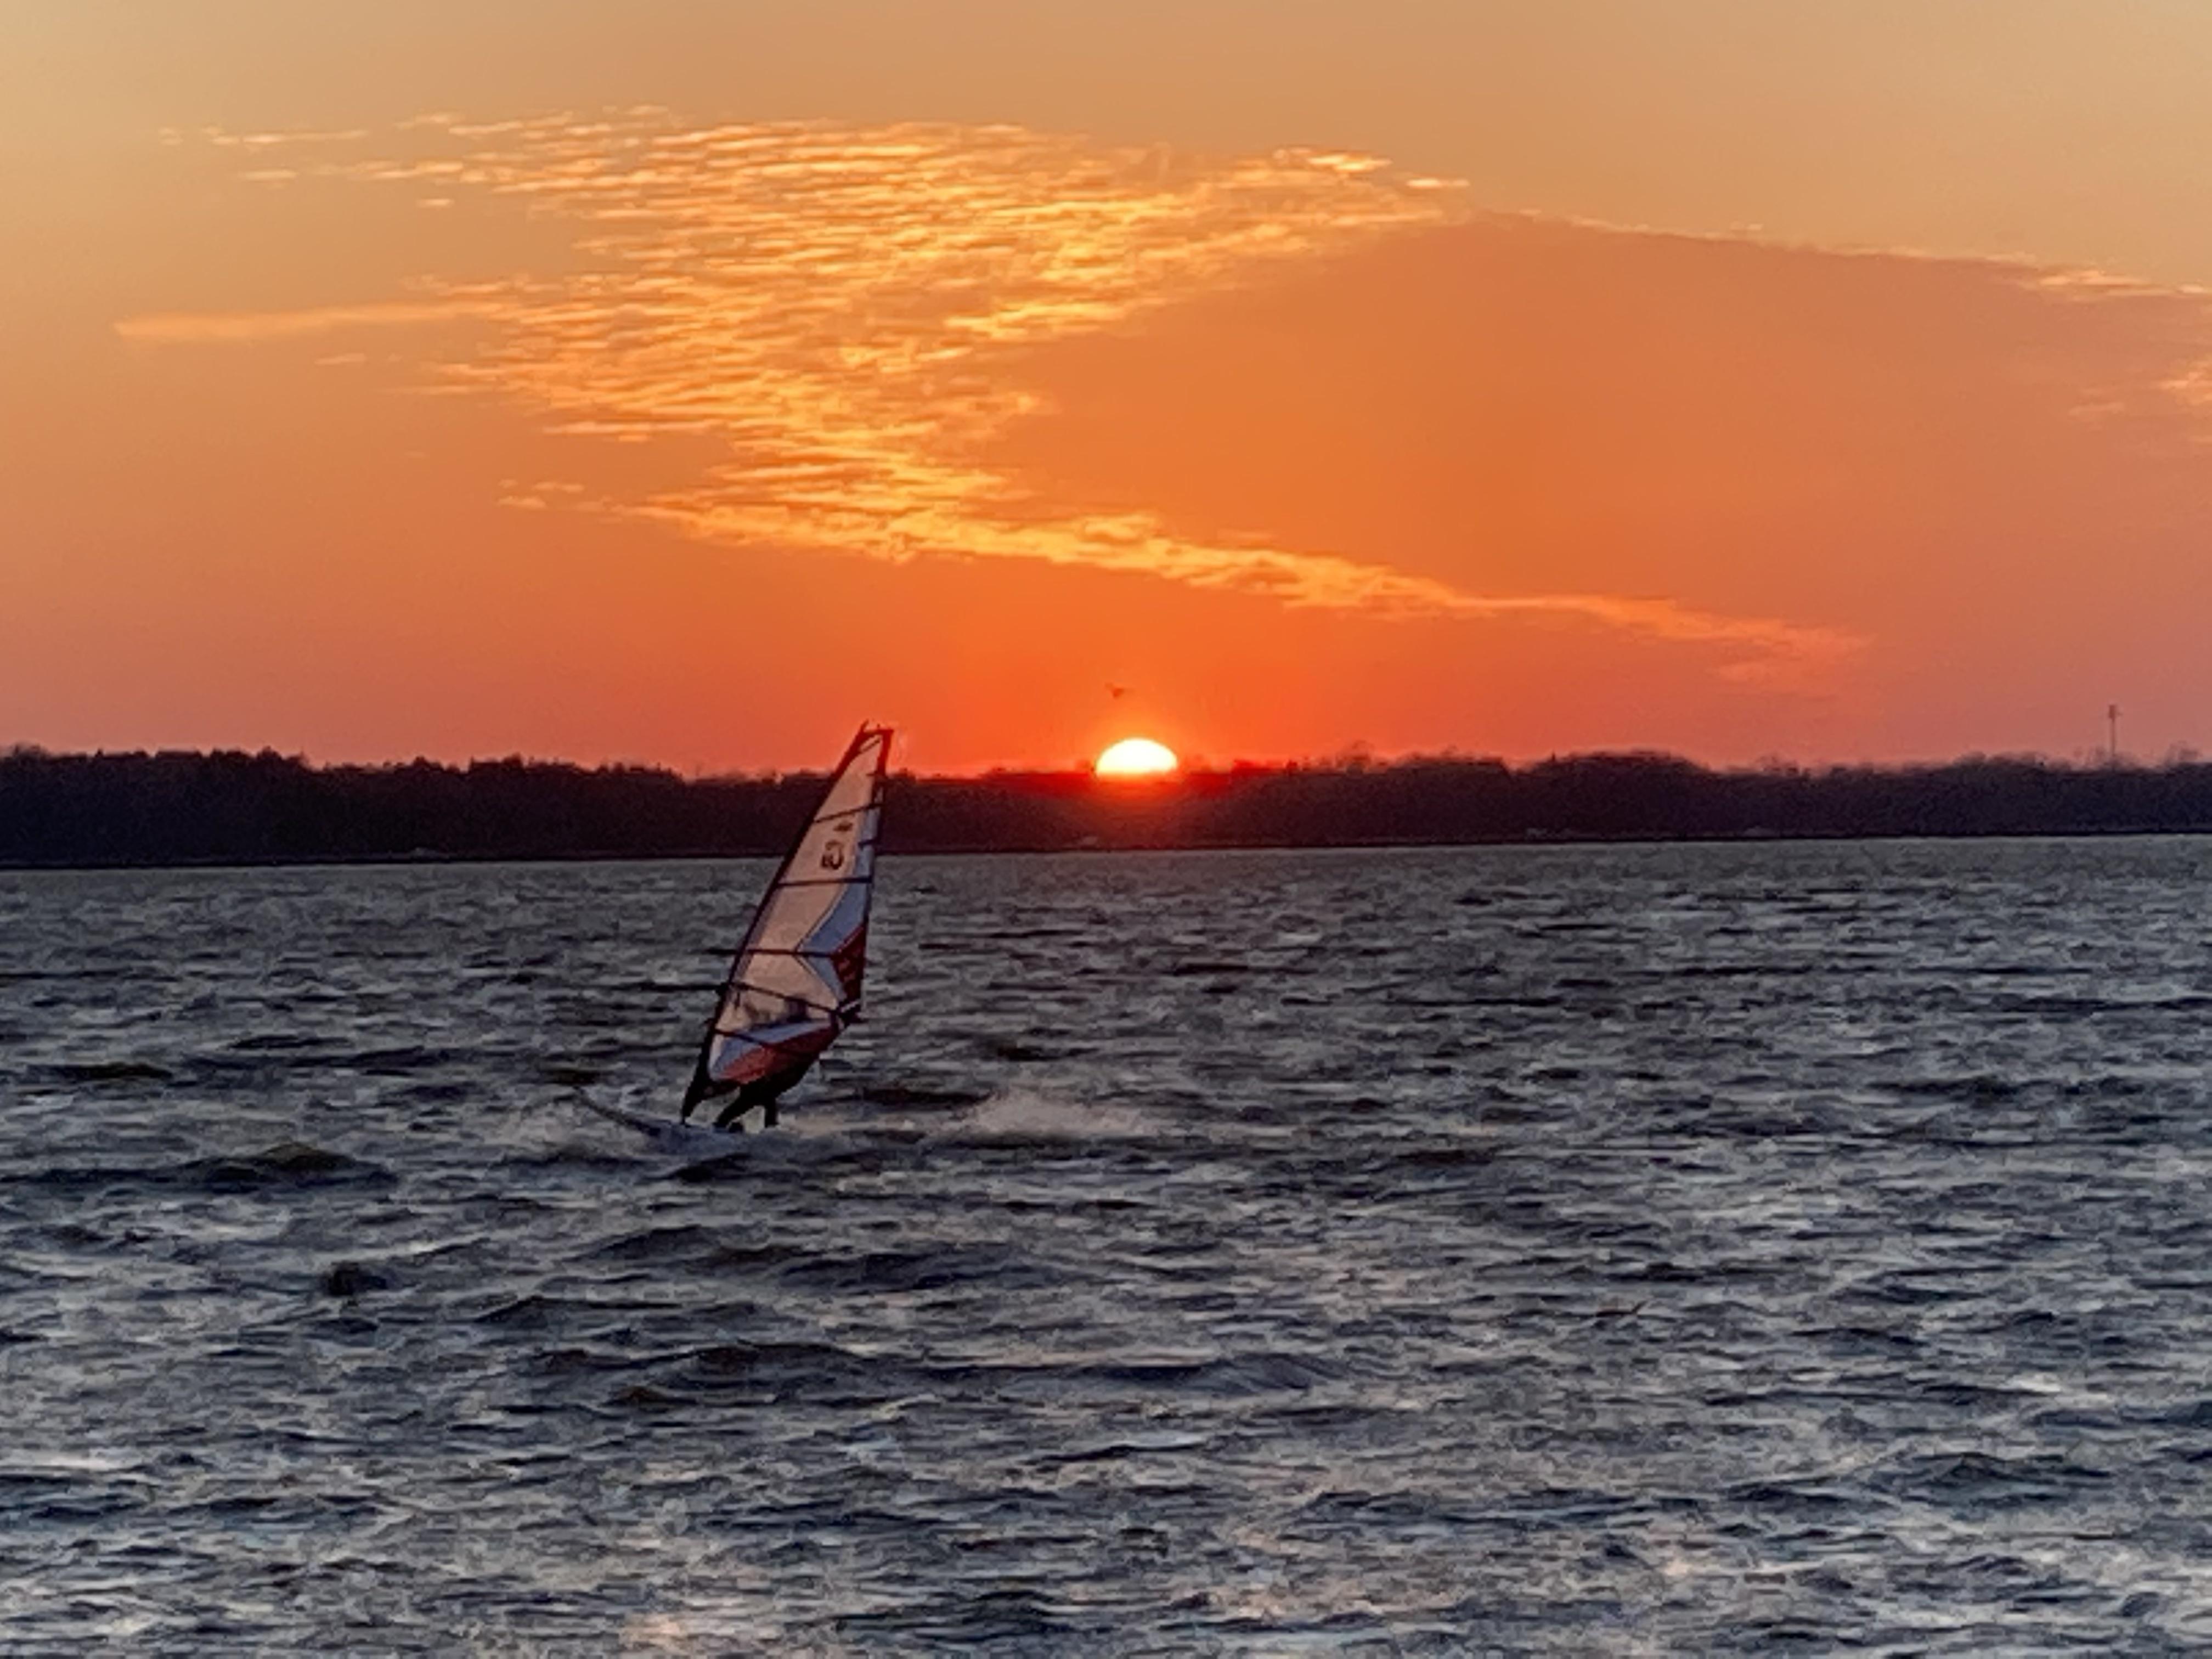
(1351, 758)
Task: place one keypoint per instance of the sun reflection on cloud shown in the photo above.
(836, 307)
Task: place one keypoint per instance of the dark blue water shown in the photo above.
(1693, 1249)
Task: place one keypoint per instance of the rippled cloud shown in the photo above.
(837, 307)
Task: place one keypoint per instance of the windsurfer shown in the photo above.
(795, 982)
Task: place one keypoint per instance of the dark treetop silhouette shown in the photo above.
(230, 807)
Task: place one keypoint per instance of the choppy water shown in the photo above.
(1590, 1250)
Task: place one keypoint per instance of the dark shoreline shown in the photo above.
(229, 810)
(466, 860)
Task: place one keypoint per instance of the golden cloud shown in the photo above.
(836, 304)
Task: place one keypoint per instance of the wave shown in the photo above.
(287, 1164)
(655, 1244)
(1976, 1481)
(895, 1270)
(113, 1070)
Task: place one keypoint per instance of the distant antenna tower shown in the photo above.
(2112, 724)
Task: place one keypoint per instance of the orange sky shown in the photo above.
(685, 382)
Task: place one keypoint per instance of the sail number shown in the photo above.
(833, 856)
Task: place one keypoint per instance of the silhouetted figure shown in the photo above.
(763, 1094)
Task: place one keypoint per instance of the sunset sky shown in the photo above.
(687, 382)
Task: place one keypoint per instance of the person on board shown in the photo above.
(763, 1092)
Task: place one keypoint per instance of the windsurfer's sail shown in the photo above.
(795, 983)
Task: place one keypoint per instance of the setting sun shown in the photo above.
(1136, 757)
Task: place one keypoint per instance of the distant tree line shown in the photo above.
(230, 807)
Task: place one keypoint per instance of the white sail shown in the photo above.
(795, 982)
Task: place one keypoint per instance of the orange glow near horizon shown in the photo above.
(1136, 757)
(630, 415)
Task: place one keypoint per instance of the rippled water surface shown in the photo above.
(1587, 1250)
